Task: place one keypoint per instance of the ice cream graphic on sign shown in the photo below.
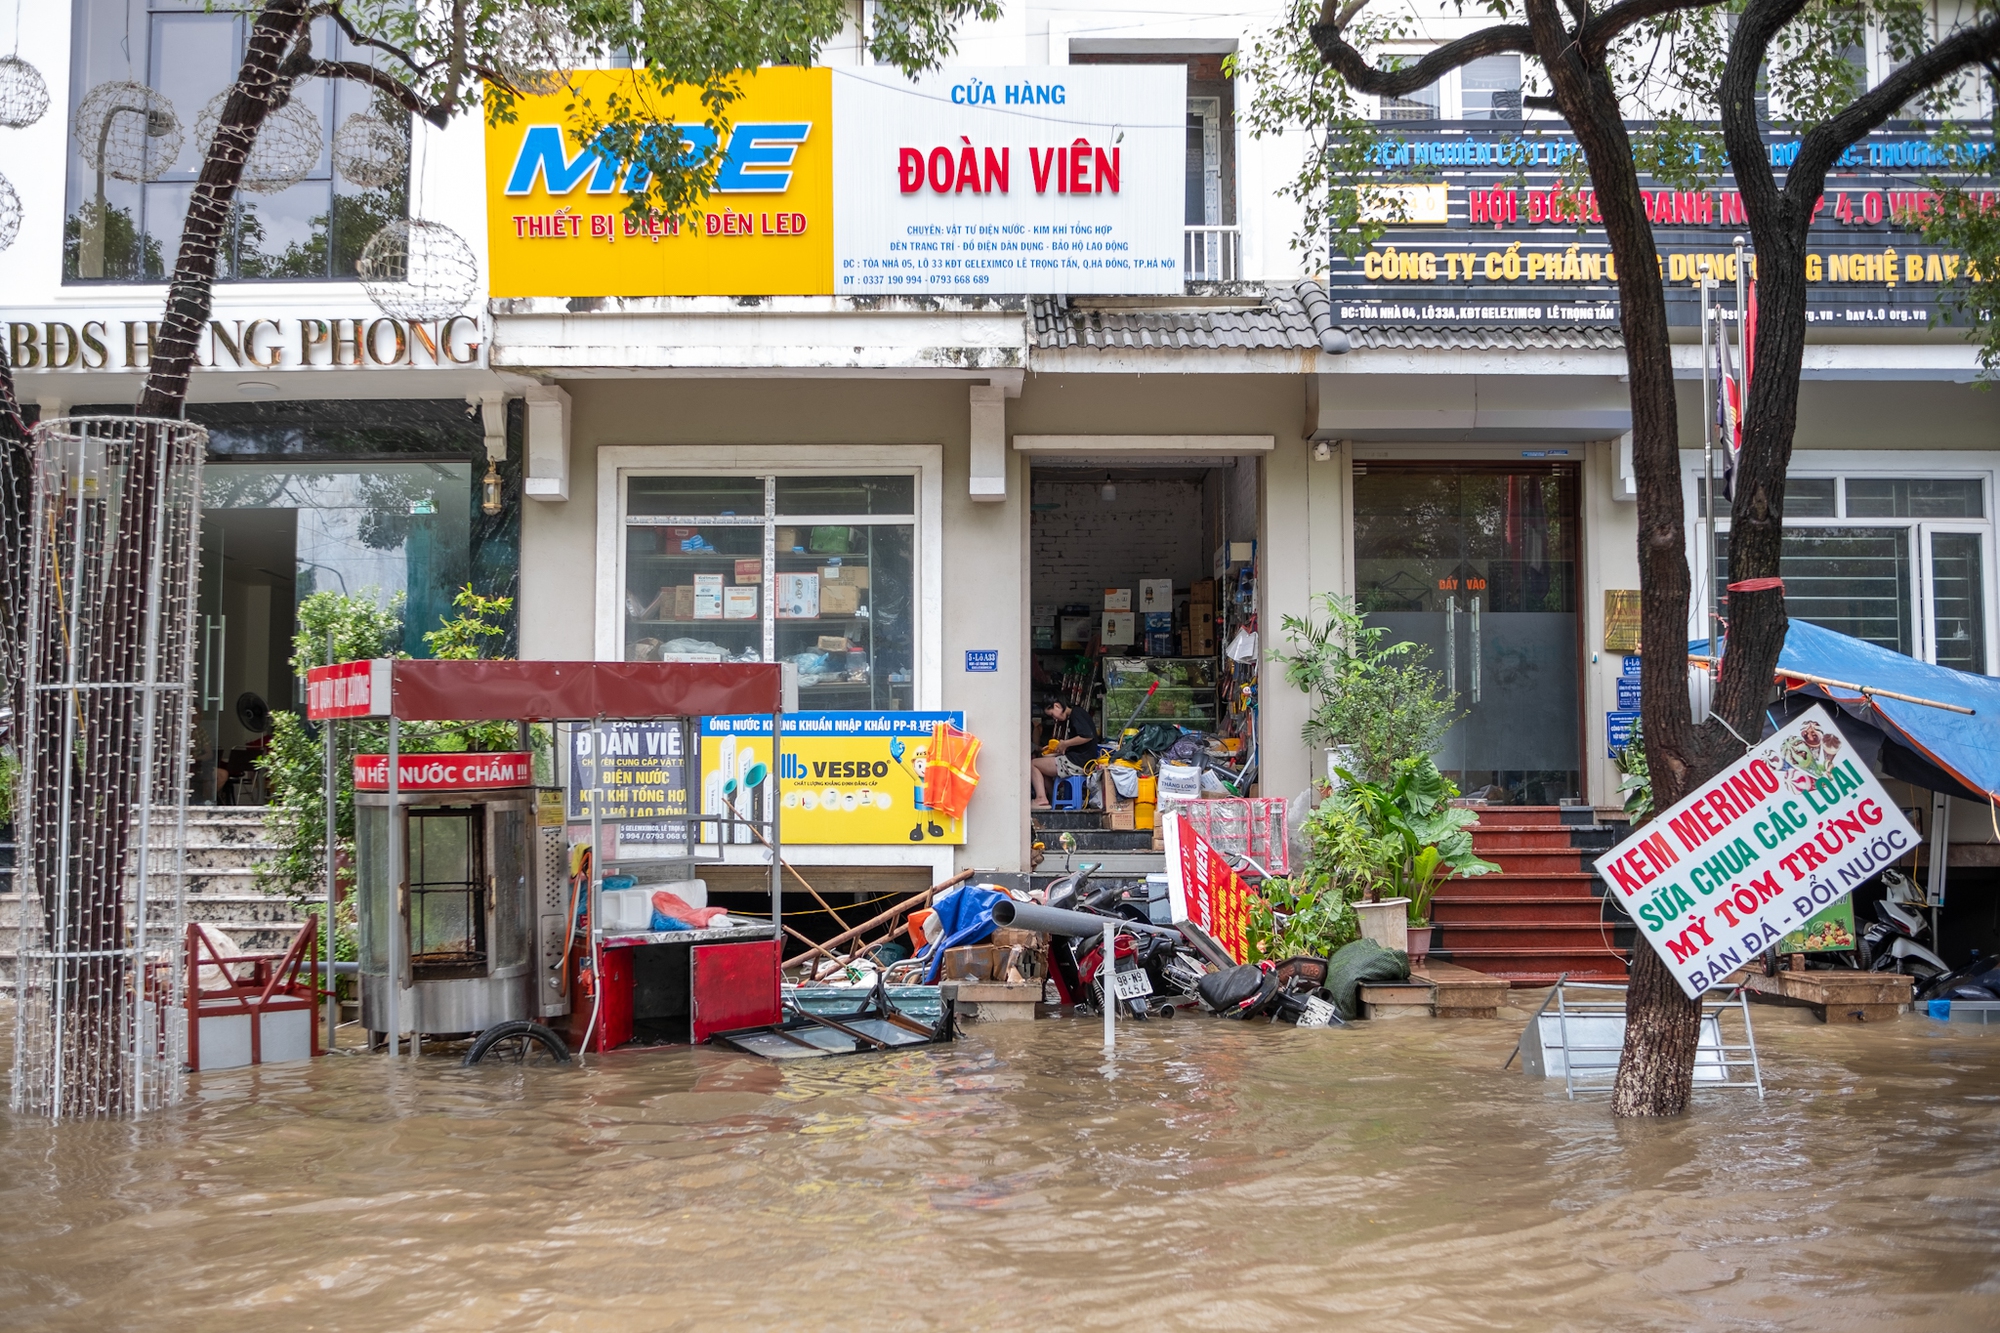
(1794, 825)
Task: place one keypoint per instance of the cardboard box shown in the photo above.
(683, 603)
(854, 576)
(1073, 632)
(1120, 628)
(975, 962)
(1117, 599)
(1158, 622)
(740, 603)
(1202, 593)
(750, 571)
(798, 596)
(1201, 638)
(788, 540)
(1156, 595)
(707, 597)
(833, 643)
(839, 599)
(1120, 812)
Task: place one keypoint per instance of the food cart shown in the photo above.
(482, 915)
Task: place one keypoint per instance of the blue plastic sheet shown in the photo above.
(965, 915)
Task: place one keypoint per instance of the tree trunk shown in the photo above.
(1656, 1072)
(259, 90)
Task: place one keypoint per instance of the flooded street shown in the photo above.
(1227, 1176)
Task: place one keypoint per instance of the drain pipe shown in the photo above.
(1106, 977)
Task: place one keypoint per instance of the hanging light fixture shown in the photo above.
(1107, 492)
(490, 487)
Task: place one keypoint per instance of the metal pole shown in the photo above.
(331, 742)
(771, 817)
(594, 889)
(1105, 970)
(395, 898)
(1708, 477)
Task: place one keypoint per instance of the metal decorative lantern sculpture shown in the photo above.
(371, 152)
(10, 213)
(24, 95)
(127, 131)
(537, 51)
(417, 269)
(109, 653)
(287, 146)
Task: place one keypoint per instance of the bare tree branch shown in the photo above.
(1597, 34)
(1351, 65)
(360, 38)
(437, 113)
(1824, 143)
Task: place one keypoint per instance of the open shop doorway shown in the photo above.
(1142, 574)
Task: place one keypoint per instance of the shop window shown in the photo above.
(1895, 561)
(1211, 143)
(130, 231)
(814, 570)
(1422, 104)
(1490, 89)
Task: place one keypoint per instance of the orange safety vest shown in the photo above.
(950, 771)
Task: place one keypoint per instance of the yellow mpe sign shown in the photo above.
(555, 209)
(843, 777)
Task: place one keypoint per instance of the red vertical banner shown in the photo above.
(1204, 891)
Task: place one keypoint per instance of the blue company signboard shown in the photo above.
(1493, 233)
(982, 659)
(1628, 693)
(1618, 731)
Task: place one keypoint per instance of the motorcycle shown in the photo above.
(1898, 940)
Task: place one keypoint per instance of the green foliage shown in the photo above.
(462, 637)
(1289, 917)
(1635, 779)
(10, 777)
(294, 766)
(1379, 702)
(1399, 839)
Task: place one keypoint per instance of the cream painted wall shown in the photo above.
(1610, 550)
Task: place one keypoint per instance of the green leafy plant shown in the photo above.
(1400, 839)
(10, 774)
(336, 627)
(1635, 779)
(1377, 701)
(1290, 917)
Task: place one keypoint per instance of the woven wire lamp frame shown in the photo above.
(370, 152)
(100, 1027)
(24, 94)
(127, 131)
(10, 213)
(418, 269)
(287, 147)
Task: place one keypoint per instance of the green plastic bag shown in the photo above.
(1363, 961)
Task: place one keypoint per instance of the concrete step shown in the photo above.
(1498, 910)
(1057, 821)
(1487, 841)
(1536, 863)
(1539, 967)
(1536, 934)
(1565, 884)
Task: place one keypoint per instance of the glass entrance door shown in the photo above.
(1478, 565)
(211, 652)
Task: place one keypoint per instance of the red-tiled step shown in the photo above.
(1542, 915)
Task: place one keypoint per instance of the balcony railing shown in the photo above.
(1213, 254)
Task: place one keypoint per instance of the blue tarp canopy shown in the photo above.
(1931, 747)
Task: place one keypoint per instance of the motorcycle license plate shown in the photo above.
(1131, 985)
(1318, 1013)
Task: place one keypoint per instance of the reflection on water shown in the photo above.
(1227, 1176)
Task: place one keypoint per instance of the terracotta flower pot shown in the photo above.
(1386, 922)
(1420, 942)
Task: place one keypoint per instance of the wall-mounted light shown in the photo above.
(490, 490)
(1107, 492)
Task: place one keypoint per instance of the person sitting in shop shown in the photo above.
(1073, 746)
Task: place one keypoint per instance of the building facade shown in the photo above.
(786, 436)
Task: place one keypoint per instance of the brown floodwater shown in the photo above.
(1213, 1175)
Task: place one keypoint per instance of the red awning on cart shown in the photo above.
(430, 691)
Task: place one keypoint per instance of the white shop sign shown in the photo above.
(1031, 179)
(1794, 825)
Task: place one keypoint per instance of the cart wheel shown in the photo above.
(518, 1042)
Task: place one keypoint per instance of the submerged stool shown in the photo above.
(1067, 794)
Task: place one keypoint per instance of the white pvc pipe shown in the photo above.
(396, 922)
(1105, 974)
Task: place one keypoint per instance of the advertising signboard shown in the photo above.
(1756, 852)
(444, 772)
(1204, 892)
(348, 689)
(843, 778)
(1513, 243)
(1040, 179)
(639, 782)
(1053, 178)
(555, 212)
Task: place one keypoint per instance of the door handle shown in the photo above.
(1475, 650)
(1451, 645)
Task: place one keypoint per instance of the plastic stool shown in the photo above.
(1067, 794)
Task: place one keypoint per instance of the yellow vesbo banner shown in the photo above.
(843, 777)
(556, 218)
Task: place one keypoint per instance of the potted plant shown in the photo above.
(1400, 841)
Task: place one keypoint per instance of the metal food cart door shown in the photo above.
(734, 986)
(552, 919)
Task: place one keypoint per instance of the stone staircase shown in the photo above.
(225, 844)
(1543, 914)
(1118, 851)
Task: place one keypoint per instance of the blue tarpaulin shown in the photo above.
(1932, 747)
(965, 915)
